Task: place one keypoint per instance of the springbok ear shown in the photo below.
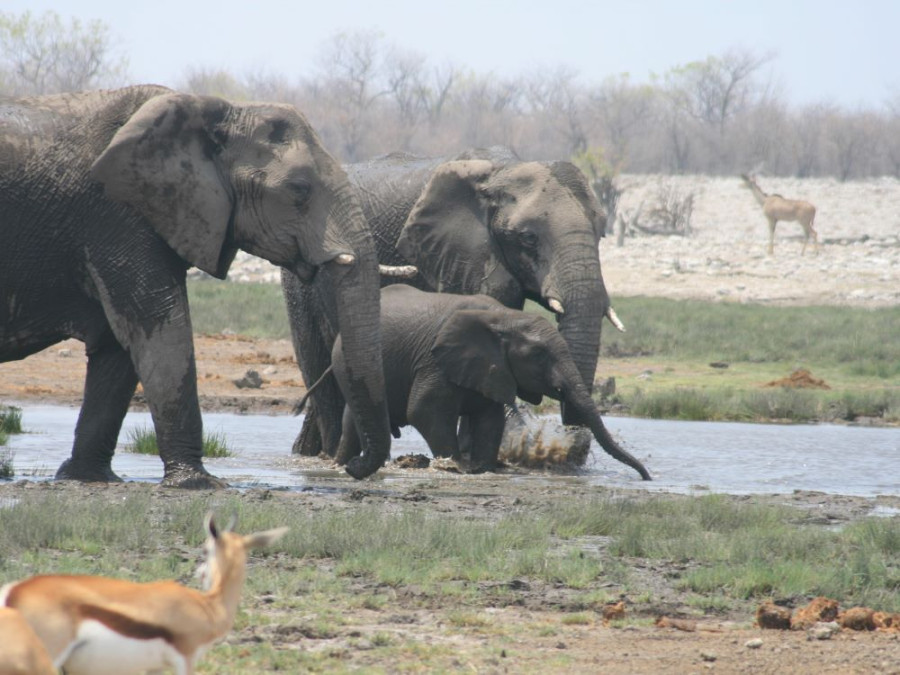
(164, 162)
(470, 353)
(209, 524)
(446, 234)
(263, 539)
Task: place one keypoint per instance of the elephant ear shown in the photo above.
(570, 176)
(164, 161)
(470, 353)
(446, 233)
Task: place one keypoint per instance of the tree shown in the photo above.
(45, 55)
(214, 82)
(554, 98)
(621, 110)
(351, 75)
(715, 90)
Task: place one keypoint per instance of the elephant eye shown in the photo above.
(528, 239)
(300, 190)
(519, 238)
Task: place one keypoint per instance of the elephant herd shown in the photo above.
(108, 197)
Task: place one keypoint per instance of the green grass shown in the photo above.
(789, 405)
(853, 349)
(382, 556)
(142, 441)
(861, 342)
(858, 342)
(737, 551)
(255, 310)
(750, 551)
(10, 423)
(6, 460)
(10, 420)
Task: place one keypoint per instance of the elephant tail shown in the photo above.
(301, 404)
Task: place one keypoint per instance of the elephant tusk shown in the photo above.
(615, 320)
(556, 306)
(345, 259)
(405, 271)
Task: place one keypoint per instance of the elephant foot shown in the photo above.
(70, 470)
(359, 467)
(308, 442)
(483, 468)
(191, 478)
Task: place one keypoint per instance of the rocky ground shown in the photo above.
(724, 259)
(724, 255)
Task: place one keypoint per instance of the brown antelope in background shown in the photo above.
(96, 625)
(775, 208)
(21, 652)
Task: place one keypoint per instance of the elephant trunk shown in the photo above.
(576, 280)
(355, 302)
(579, 399)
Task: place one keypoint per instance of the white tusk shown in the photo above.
(405, 271)
(556, 306)
(345, 259)
(614, 319)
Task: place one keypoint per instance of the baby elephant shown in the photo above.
(448, 357)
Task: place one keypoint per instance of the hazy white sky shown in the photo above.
(842, 51)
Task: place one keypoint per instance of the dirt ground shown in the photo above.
(724, 259)
(534, 626)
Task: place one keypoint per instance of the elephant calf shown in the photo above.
(448, 357)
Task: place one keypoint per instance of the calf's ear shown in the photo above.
(470, 353)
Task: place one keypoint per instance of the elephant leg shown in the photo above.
(108, 388)
(313, 338)
(309, 441)
(155, 327)
(350, 445)
(436, 421)
(486, 429)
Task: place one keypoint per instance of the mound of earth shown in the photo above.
(799, 379)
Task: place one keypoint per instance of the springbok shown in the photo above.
(21, 652)
(97, 625)
(775, 208)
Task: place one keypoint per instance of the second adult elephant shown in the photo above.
(483, 222)
(449, 357)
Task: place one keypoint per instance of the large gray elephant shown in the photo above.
(449, 357)
(106, 198)
(482, 222)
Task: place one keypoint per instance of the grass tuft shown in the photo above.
(10, 420)
(142, 441)
(6, 460)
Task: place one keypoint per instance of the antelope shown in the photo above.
(98, 625)
(775, 208)
(21, 651)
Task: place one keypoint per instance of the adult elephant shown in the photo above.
(106, 199)
(482, 222)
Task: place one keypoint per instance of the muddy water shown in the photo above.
(681, 456)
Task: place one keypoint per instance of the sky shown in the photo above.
(843, 52)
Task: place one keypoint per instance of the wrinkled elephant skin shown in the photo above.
(481, 222)
(450, 358)
(106, 198)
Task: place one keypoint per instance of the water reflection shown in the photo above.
(681, 456)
